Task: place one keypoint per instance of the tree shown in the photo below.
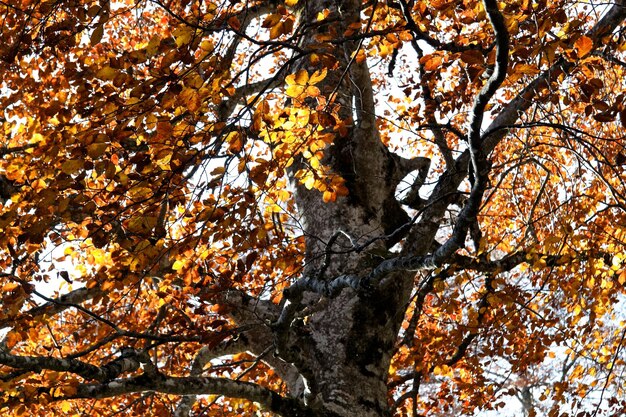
(312, 208)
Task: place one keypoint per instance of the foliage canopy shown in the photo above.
(312, 207)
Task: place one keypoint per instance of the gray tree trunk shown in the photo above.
(350, 338)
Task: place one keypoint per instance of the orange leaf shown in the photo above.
(583, 46)
(473, 57)
(431, 62)
(329, 196)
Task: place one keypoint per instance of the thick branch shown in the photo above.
(204, 355)
(126, 363)
(478, 159)
(197, 386)
(59, 305)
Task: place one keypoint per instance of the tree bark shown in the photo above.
(351, 336)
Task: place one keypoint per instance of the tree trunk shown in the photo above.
(350, 338)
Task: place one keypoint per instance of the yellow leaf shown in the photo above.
(207, 45)
(273, 208)
(317, 76)
(183, 35)
(309, 182)
(283, 195)
(302, 77)
(66, 406)
(577, 310)
(290, 79)
(323, 15)
(442, 370)
(294, 91)
(153, 46)
(291, 3)
(178, 265)
(191, 98)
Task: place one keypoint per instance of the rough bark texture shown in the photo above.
(351, 337)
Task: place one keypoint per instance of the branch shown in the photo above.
(204, 355)
(437, 259)
(495, 80)
(247, 309)
(482, 309)
(6, 150)
(259, 88)
(128, 362)
(58, 305)
(431, 105)
(255, 315)
(480, 165)
(413, 199)
(196, 386)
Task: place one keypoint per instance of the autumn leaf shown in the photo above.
(583, 46)
(71, 166)
(431, 62)
(299, 83)
(106, 73)
(183, 35)
(235, 141)
(473, 57)
(96, 150)
(96, 35)
(317, 76)
(296, 83)
(295, 90)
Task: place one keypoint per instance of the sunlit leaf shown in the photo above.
(583, 46)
